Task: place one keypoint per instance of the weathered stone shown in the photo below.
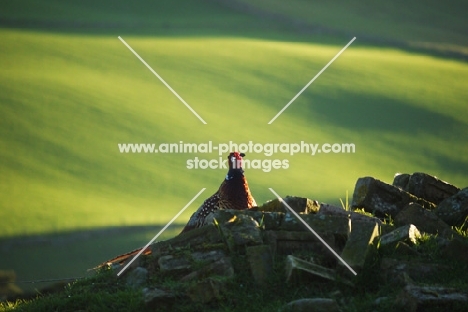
(223, 216)
(454, 210)
(431, 298)
(406, 233)
(327, 209)
(260, 260)
(156, 298)
(335, 224)
(240, 231)
(400, 272)
(289, 242)
(297, 269)
(208, 256)
(170, 263)
(266, 220)
(137, 277)
(274, 205)
(394, 272)
(206, 291)
(298, 204)
(404, 249)
(425, 220)
(383, 199)
(302, 205)
(425, 186)
(207, 234)
(360, 244)
(213, 263)
(401, 180)
(271, 220)
(456, 249)
(313, 304)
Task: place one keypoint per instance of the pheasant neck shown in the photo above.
(234, 173)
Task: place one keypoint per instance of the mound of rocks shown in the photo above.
(341, 244)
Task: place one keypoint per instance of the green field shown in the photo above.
(70, 91)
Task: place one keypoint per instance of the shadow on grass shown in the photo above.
(141, 18)
(369, 114)
(72, 254)
(187, 18)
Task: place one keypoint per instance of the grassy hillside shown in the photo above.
(70, 91)
(431, 25)
(68, 103)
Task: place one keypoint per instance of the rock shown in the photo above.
(360, 245)
(302, 205)
(271, 220)
(293, 242)
(137, 277)
(338, 225)
(274, 205)
(394, 272)
(454, 210)
(197, 264)
(240, 231)
(404, 249)
(425, 220)
(208, 234)
(383, 199)
(205, 291)
(260, 260)
(425, 186)
(313, 304)
(431, 298)
(170, 263)
(208, 256)
(298, 204)
(401, 273)
(401, 181)
(266, 220)
(223, 216)
(327, 209)
(406, 233)
(456, 249)
(297, 269)
(196, 238)
(213, 263)
(156, 298)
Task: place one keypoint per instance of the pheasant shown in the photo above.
(234, 193)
